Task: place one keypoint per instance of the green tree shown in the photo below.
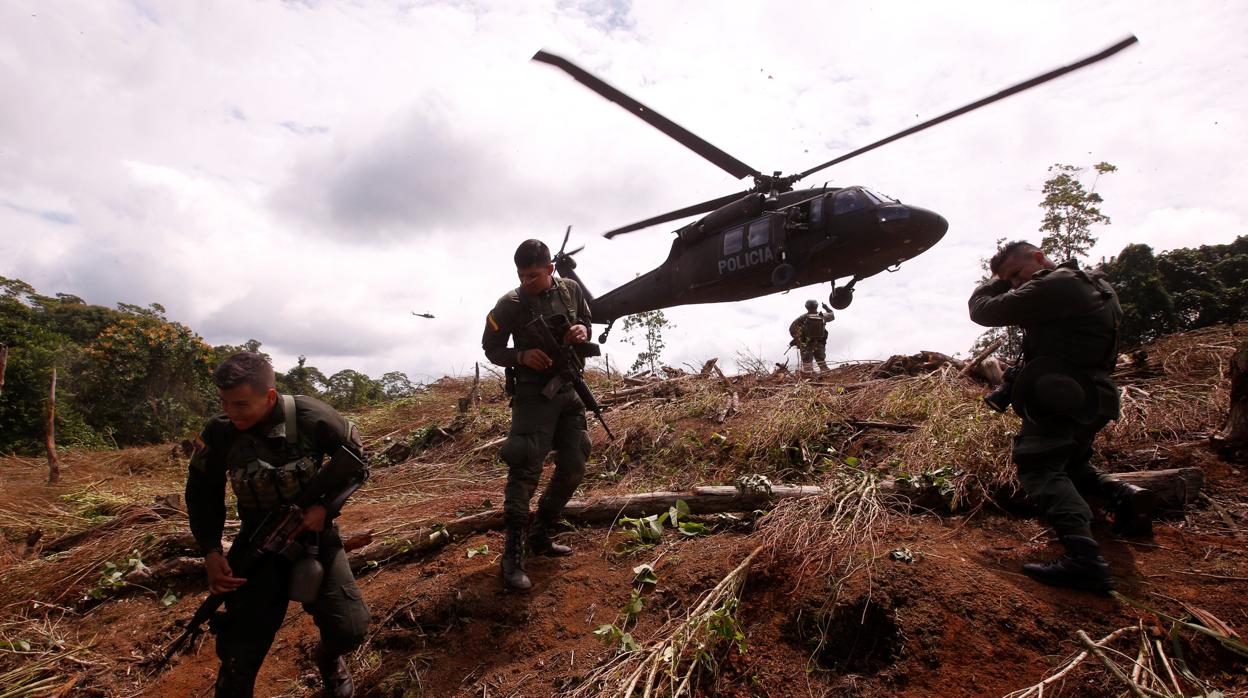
(349, 389)
(146, 380)
(649, 325)
(1070, 211)
(396, 384)
(1147, 308)
(302, 380)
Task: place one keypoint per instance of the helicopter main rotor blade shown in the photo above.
(680, 134)
(675, 215)
(983, 102)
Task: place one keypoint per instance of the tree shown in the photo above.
(396, 384)
(302, 380)
(1147, 308)
(650, 325)
(146, 379)
(1070, 211)
(349, 389)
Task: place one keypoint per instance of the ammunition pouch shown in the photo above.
(262, 486)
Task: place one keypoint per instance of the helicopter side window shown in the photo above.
(849, 200)
(759, 232)
(732, 241)
(816, 211)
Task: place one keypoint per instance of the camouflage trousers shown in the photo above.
(255, 612)
(1056, 473)
(538, 426)
(812, 353)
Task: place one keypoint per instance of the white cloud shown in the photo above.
(309, 173)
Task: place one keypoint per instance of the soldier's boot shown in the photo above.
(335, 674)
(1081, 567)
(1133, 509)
(513, 559)
(823, 367)
(808, 367)
(540, 541)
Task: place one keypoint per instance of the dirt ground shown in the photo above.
(941, 610)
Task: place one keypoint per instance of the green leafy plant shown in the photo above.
(644, 574)
(112, 576)
(482, 549)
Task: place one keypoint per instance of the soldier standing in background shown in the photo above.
(267, 446)
(538, 423)
(810, 336)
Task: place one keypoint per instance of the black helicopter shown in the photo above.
(771, 237)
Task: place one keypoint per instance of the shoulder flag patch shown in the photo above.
(489, 319)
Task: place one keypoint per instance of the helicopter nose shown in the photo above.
(919, 229)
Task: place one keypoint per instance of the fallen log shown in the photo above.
(1174, 489)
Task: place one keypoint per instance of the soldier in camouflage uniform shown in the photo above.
(267, 445)
(810, 336)
(1070, 321)
(538, 424)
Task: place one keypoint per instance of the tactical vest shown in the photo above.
(814, 329)
(1088, 341)
(264, 477)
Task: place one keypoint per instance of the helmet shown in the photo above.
(812, 305)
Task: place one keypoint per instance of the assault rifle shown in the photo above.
(330, 487)
(567, 360)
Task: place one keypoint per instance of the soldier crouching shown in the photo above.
(539, 423)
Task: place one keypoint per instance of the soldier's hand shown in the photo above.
(536, 359)
(313, 520)
(577, 334)
(221, 578)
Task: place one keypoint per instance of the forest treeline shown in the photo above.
(1179, 290)
(128, 375)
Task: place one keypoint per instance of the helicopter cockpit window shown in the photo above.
(849, 200)
(816, 211)
(879, 198)
(759, 232)
(732, 241)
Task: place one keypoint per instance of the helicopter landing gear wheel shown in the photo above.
(783, 275)
(840, 298)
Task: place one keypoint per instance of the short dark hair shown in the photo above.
(531, 253)
(1011, 249)
(247, 367)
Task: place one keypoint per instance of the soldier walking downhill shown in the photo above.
(538, 423)
(810, 335)
(267, 446)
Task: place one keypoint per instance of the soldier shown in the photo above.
(810, 336)
(1065, 395)
(267, 445)
(538, 423)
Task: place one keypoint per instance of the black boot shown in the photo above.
(513, 559)
(541, 543)
(335, 675)
(1133, 509)
(1082, 567)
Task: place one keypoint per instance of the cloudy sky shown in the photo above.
(309, 173)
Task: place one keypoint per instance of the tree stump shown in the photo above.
(1232, 441)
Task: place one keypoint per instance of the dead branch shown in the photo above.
(979, 358)
(54, 466)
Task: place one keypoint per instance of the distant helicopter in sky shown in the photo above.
(772, 237)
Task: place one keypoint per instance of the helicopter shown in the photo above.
(771, 237)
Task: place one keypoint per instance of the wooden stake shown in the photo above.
(979, 358)
(54, 467)
(4, 359)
